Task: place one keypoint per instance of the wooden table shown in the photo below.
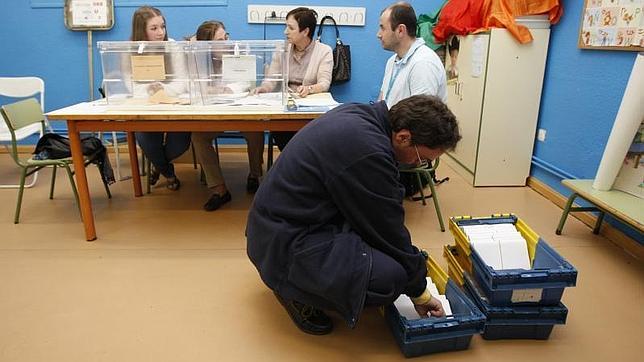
(625, 207)
(97, 116)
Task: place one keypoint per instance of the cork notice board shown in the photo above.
(612, 25)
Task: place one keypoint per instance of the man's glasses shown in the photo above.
(422, 163)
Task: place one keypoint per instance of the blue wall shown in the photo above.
(581, 95)
(59, 56)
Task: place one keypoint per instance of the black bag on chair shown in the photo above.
(341, 55)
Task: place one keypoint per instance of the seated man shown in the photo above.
(326, 229)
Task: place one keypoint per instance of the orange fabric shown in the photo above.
(460, 17)
(501, 14)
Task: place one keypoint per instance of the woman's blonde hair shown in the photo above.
(140, 20)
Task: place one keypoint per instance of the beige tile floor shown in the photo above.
(166, 281)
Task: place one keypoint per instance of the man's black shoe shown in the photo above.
(306, 318)
(252, 184)
(216, 201)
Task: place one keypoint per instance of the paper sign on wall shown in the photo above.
(148, 67)
(89, 13)
(477, 56)
(239, 68)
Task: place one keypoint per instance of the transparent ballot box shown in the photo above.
(244, 73)
(142, 72)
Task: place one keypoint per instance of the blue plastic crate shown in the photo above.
(431, 335)
(518, 322)
(543, 284)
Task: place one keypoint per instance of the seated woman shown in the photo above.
(310, 63)
(202, 141)
(148, 24)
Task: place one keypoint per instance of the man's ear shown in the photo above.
(401, 29)
(403, 137)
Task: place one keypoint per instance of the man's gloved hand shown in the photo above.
(427, 306)
(433, 307)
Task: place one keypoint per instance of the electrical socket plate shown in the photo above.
(343, 15)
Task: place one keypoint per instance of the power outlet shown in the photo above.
(343, 15)
(541, 135)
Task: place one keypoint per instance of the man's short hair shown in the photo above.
(403, 13)
(306, 18)
(429, 121)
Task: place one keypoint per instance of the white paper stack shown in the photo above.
(433, 290)
(406, 307)
(446, 306)
(500, 246)
(489, 250)
(514, 253)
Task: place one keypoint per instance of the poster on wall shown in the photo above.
(612, 25)
(630, 178)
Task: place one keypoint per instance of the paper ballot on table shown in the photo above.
(316, 100)
(239, 68)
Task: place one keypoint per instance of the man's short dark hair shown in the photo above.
(306, 18)
(403, 13)
(428, 120)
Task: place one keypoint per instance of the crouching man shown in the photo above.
(326, 229)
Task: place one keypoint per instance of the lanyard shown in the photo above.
(395, 70)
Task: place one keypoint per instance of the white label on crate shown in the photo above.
(526, 295)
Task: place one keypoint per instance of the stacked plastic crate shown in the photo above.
(517, 303)
(419, 336)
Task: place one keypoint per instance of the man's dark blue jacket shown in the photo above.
(331, 197)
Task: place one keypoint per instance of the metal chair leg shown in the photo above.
(27, 185)
(598, 224)
(23, 176)
(53, 182)
(194, 156)
(70, 174)
(148, 170)
(436, 204)
(269, 156)
(107, 190)
(566, 211)
(420, 187)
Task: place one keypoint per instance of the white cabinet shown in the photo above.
(496, 99)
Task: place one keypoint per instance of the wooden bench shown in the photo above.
(623, 206)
